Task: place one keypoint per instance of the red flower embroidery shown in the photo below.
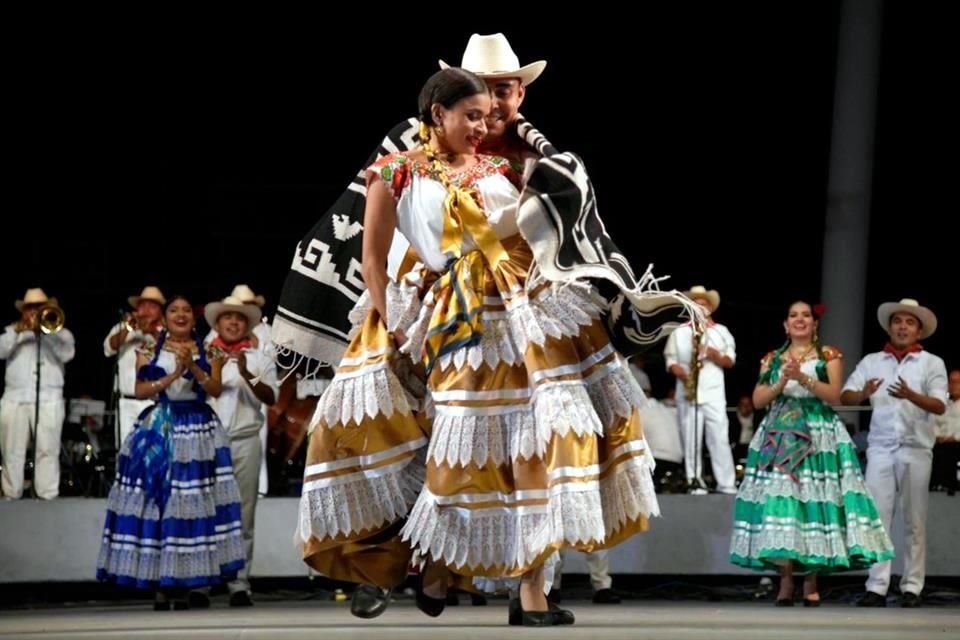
(401, 177)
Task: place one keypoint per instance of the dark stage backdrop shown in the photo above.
(194, 155)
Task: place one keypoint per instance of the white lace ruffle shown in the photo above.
(514, 539)
(556, 409)
(418, 330)
(509, 586)
(358, 314)
(497, 345)
(615, 395)
(556, 311)
(363, 504)
(628, 493)
(460, 440)
(810, 539)
(810, 486)
(191, 442)
(562, 407)
(154, 560)
(403, 305)
(126, 500)
(353, 398)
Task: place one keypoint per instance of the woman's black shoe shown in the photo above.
(560, 616)
(161, 603)
(536, 618)
(433, 607)
(369, 601)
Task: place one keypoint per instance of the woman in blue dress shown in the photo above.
(173, 514)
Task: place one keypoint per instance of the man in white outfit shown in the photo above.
(907, 387)
(249, 381)
(19, 419)
(261, 334)
(139, 330)
(702, 408)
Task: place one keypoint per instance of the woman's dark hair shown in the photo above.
(446, 88)
(816, 310)
(174, 299)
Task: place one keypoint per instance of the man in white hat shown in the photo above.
(492, 58)
(260, 332)
(18, 406)
(907, 387)
(138, 330)
(249, 382)
(698, 363)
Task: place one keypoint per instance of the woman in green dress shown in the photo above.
(803, 505)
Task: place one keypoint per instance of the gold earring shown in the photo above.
(424, 133)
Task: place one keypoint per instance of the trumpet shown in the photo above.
(132, 322)
(49, 319)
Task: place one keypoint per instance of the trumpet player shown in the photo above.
(30, 378)
(139, 328)
(698, 363)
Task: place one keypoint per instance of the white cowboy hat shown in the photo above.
(148, 293)
(214, 310)
(928, 321)
(699, 291)
(493, 57)
(245, 295)
(34, 296)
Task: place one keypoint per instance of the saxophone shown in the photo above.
(693, 373)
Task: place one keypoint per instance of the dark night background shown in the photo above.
(193, 154)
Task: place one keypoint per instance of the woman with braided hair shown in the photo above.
(503, 384)
(803, 504)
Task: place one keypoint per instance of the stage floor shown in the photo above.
(634, 620)
(691, 538)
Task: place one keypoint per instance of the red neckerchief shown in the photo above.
(900, 354)
(233, 348)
